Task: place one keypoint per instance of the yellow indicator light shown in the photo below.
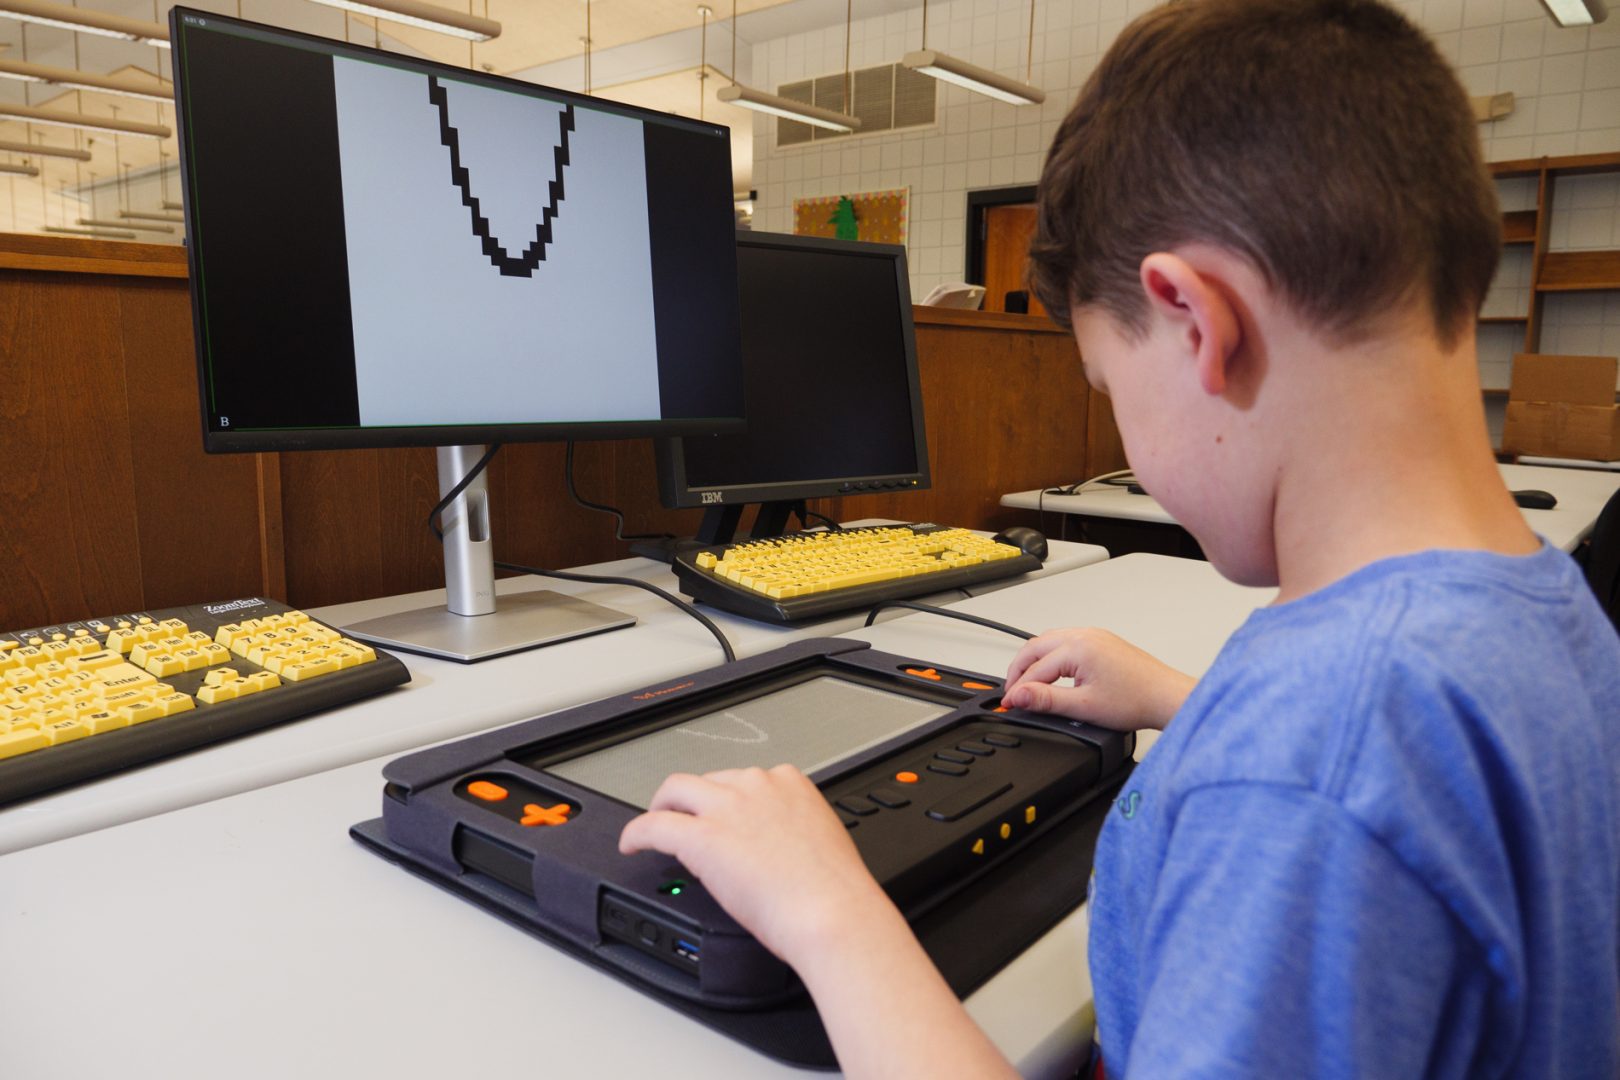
(1029, 815)
(1006, 830)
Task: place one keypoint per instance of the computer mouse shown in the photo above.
(1535, 499)
(1029, 541)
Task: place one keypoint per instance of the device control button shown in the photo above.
(483, 789)
(977, 749)
(849, 822)
(945, 768)
(967, 800)
(906, 776)
(995, 738)
(648, 932)
(856, 805)
(535, 814)
(953, 757)
(977, 686)
(924, 673)
(889, 797)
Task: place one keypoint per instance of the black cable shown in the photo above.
(806, 514)
(472, 474)
(603, 579)
(964, 616)
(618, 516)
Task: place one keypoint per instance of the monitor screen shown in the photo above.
(809, 725)
(387, 251)
(830, 373)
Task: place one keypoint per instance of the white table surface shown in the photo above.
(1581, 495)
(445, 699)
(251, 937)
(1569, 463)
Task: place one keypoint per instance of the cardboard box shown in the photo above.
(1563, 406)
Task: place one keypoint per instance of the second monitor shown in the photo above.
(831, 391)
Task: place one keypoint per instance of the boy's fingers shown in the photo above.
(687, 793)
(1049, 668)
(1042, 697)
(1029, 653)
(668, 831)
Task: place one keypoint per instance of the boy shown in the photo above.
(1382, 835)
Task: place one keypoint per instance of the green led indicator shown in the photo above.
(672, 887)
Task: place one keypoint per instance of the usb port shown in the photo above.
(686, 950)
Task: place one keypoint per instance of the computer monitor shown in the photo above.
(389, 252)
(832, 394)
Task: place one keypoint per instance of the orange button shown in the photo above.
(999, 708)
(534, 814)
(483, 789)
(923, 673)
(906, 777)
(977, 686)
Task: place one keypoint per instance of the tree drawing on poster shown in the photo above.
(875, 216)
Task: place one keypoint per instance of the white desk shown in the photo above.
(1570, 463)
(445, 699)
(251, 937)
(1581, 495)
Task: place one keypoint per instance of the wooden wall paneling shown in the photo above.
(332, 527)
(1105, 450)
(272, 545)
(1005, 411)
(70, 546)
(197, 514)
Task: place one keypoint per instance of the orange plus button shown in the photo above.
(906, 777)
(977, 686)
(535, 814)
(923, 673)
(483, 789)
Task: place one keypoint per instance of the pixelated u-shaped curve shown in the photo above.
(524, 265)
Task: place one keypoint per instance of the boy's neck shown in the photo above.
(1388, 455)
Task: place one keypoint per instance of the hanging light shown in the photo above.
(83, 120)
(110, 234)
(44, 151)
(126, 225)
(971, 76)
(19, 170)
(79, 80)
(776, 105)
(85, 21)
(423, 16)
(1576, 12)
(141, 215)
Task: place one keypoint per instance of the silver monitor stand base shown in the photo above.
(470, 627)
(523, 621)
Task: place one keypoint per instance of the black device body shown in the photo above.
(931, 809)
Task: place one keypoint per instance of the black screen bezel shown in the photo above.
(677, 492)
(340, 438)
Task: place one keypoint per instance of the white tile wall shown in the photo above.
(1566, 83)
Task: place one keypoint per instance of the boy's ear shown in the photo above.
(1198, 313)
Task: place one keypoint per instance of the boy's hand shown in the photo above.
(767, 847)
(1116, 685)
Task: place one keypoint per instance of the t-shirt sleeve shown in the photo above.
(1283, 940)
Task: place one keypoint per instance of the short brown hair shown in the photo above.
(1325, 141)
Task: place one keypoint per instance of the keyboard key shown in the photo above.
(22, 741)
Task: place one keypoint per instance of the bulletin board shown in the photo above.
(875, 216)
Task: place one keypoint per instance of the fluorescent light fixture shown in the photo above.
(126, 225)
(977, 79)
(83, 20)
(426, 16)
(79, 80)
(139, 215)
(19, 170)
(43, 150)
(1576, 12)
(760, 101)
(32, 115)
(114, 234)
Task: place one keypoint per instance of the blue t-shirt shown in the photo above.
(1380, 839)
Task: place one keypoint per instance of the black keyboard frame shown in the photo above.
(50, 768)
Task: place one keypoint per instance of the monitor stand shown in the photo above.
(720, 527)
(471, 626)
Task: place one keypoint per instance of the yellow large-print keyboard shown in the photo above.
(81, 699)
(811, 575)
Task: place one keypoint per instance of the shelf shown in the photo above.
(1519, 227)
(1521, 167)
(1578, 271)
(1501, 320)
